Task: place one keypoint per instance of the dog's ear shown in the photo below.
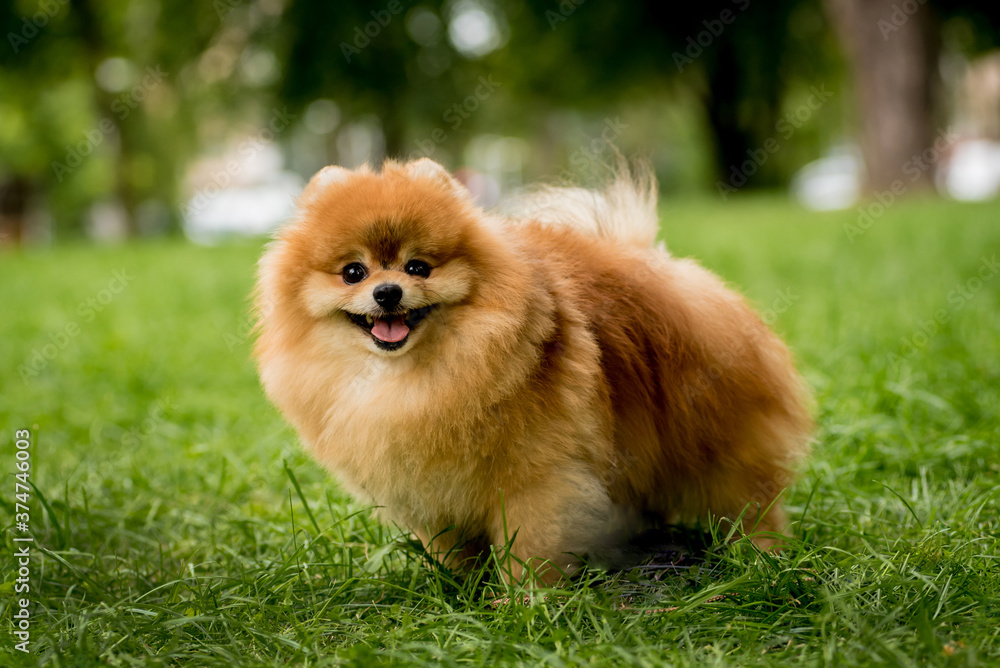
(326, 177)
(329, 175)
(425, 168)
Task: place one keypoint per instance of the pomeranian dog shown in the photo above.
(552, 380)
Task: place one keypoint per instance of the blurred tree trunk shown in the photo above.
(736, 135)
(90, 14)
(730, 139)
(14, 200)
(892, 49)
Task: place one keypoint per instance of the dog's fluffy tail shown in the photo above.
(624, 210)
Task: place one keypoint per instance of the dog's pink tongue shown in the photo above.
(390, 331)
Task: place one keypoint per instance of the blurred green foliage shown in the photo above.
(110, 102)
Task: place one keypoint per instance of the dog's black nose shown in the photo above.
(387, 295)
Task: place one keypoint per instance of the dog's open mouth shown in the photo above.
(389, 331)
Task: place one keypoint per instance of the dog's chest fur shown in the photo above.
(399, 448)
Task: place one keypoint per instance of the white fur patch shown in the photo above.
(624, 210)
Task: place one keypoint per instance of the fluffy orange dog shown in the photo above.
(551, 377)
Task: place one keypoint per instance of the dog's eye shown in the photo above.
(355, 272)
(418, 268)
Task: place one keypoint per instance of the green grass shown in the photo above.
(172, 532)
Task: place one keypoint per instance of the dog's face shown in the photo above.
(378, 262)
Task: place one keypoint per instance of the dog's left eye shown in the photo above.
(355, 272)
(418, 268)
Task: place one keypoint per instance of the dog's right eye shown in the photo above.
(355, 272)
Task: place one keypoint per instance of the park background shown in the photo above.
(837, 161)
